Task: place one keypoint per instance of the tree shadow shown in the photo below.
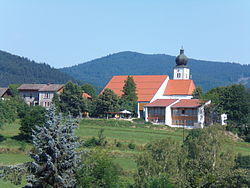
(2, 138)
(21, 138)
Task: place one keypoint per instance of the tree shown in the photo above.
(233, 100)
(71, 100)
(107, 102)
(34, 116)
(198, 93)
(11, 109)
(98, 170)
(158, 164)
(13, 90)
(129, 97)
(54, 153)
(206, 160)
(202, 161)
(88, 88)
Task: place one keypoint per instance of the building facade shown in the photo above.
(39, 94)
(164, 100)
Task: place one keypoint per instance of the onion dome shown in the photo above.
(181, 60)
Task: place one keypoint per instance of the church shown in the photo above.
(166, 101)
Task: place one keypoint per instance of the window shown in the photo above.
(46, 96)
(46, 104)
(178, 75)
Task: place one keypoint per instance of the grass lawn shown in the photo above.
(13, 151)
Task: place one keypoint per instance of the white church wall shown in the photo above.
(161, 90)
(176, 97)
(181, 73)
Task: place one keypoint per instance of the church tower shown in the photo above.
(181, 70)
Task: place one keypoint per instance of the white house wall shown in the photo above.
(175, 97)
(160, 91)
(43, 98)
(201, 116)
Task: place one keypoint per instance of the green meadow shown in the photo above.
(13, 151)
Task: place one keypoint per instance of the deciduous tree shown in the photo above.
(107, 102)
(71, 100)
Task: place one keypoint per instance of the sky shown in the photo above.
(63, 33)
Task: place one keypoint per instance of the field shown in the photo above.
(13, 151)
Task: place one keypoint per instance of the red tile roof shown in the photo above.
(188, 103)
(180, 87)
(86, 96)
(146, 85)
(161, 103)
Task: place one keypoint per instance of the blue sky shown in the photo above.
(67, 32)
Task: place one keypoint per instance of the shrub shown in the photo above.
(92, 142)
(100, 141)
(131, 146)
(98, 170)
(139, 120)
(118, 144)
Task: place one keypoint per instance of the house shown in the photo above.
(4, 92)
(164, 100)
(187, 113)
(39, 94)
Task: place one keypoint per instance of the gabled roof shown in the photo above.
(179, 87)
(34, 87)
(182, 103)
(146, 85)
(188, 103)
(51, 87)
(40, 87)
(3, 91)
(161, 103)
(86, 96)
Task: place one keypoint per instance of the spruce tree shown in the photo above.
(129, 97)
(54, 153)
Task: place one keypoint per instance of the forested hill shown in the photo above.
(18, 70)
(207, 74)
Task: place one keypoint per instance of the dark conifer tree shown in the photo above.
(129, 97)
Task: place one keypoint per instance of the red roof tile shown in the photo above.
(161, 103)
(180, 87)
(146, 85)
(86, 96)
(188, 103)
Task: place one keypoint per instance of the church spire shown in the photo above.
(181, 60)
(181, 71)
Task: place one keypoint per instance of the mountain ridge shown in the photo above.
(208, 74)
(18, 70)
